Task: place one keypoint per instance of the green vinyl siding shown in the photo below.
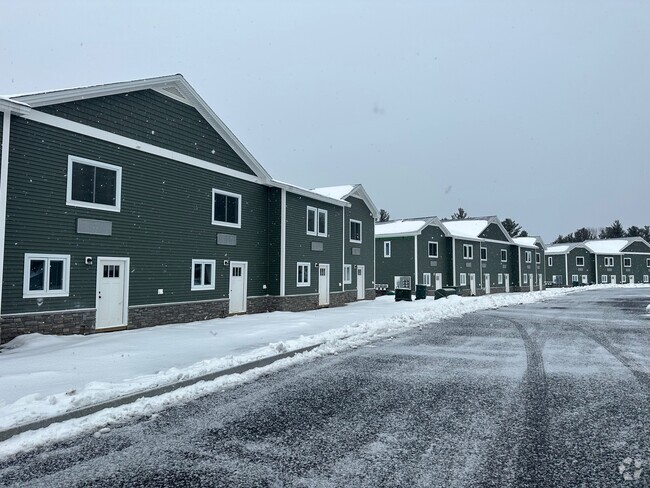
(515, 258)
(528, 268)
(638, 246)
(164, 222)
(401, 262)
(468, 266)
(299, 244)
(275, 242)
(433, 265)
(156, 119)
(360, 211)
(588, 268)
(494, 266)
(493, 231)
(557, 269)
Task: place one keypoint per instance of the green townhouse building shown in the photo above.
(622, 260)
(131, 204)
(532, 252)
(412, 252)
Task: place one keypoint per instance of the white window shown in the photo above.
(504, 256)
(355, 231)
(580, 261)
(528, 256)
(226, 208)
(46, 275)
(433, 249)
(92, 184)
(468, 251)
(603, 279)
(463, 279)
(623, 279)
(609, 261)
(538, 258)
(647, 262)
(525, 278)
(550, 260)
(316, 222)
(347, 274)
(386, 249)
(500, 279)
(574, 278)
(302, 274)
(645, 278)
(426, 279)
(203, 274)
(627, 262)
(484, 254)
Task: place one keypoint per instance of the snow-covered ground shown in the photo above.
(43, 376)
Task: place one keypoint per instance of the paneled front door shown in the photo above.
(323, 284)
(238, 286)
(361, 282)
(112, 292)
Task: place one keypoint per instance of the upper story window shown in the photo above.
(203, 274)
(433, 249)
(316, 222)
(484, 254)
(226, 208)
(647, 262)
(92, 184)
(387, 249)
(504, 256)
(580, 261)
(609, 261)
(627, 262)
(46, 275)
(468, 251)
(355, 231)
(528, 256)
(550, 260)
(538, 258)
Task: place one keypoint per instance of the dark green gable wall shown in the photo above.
(638, 247)
(440, 264)
(360, 211)
(588, 269)
(494, 232)
(153, 118)
(164, 223)
(299, 244)
(557, 269)
(401, 262)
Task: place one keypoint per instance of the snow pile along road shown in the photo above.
(45, 376)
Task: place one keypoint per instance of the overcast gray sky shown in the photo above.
(538, 111)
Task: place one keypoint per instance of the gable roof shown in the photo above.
(472, 228)
(173, 86)
(529, 241)
(563, 248)
(611, 246)
(344, 191)
(406, 227)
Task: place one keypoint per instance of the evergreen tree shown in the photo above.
(584, 234)
(513, 228)
(460, 215)
(613, 231)
(633, 231)
(384, 216)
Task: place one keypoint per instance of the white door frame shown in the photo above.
(244, 265)
(531, 281)
(438, 281)
(324, 298)
(486, 277)
(506, 280)
(125, 298)
(631, 279)
(361, 284)
(613, 279)
(472, 284)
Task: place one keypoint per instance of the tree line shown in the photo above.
(614, 231)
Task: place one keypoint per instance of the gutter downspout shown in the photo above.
(415, 258)
(519, 279)
(343, 252)
(283, 241)
(453, 260)
(566, 269)
(4, 172)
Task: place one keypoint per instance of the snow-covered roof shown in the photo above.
(308, 193)
(340, 192)
(562, 248)
(525, 241)
(466, 228)
(400, 227)
(609, 246)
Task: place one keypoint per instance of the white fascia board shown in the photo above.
(103, 135)
(360, 191)
(403, 234)
(13, 107)
(308, 193)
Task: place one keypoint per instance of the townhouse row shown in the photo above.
(131, 204)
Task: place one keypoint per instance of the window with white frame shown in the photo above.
(528, 256)
(627, 262)
(525, 278)
(574, 278)
(603, 279)
(463, 279)
(311, 220)
(623, 279)
(550, 260)
(609, 261)
(347, 274)
(538, 258)
(387, 249)
(645, 278)
(580, 261)
(468, 251)
(226, 208)
(504, 255)
(302, 274)
(203, 271)
(322, 222)
(500, 279)
(355, 231)
(647, 262)
(484, 254)
(433, 249)
(46, 275)
(92, 184)
(316, 222)
(426, 279)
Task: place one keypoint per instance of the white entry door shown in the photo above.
(472, 284)
(631, 279)
(238, 286)
(531, 282)
(539, 282)
(323, 284)
(613, 279)
(112, 292)
(506, 280)
(487, 283)
(438, 281)
(585, 279)
(361, 282)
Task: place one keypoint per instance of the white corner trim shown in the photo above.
(103, 135)
(283, 241)
(4, 172)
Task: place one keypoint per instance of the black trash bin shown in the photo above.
(420, 292)
(402, 294)
(445, 292)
